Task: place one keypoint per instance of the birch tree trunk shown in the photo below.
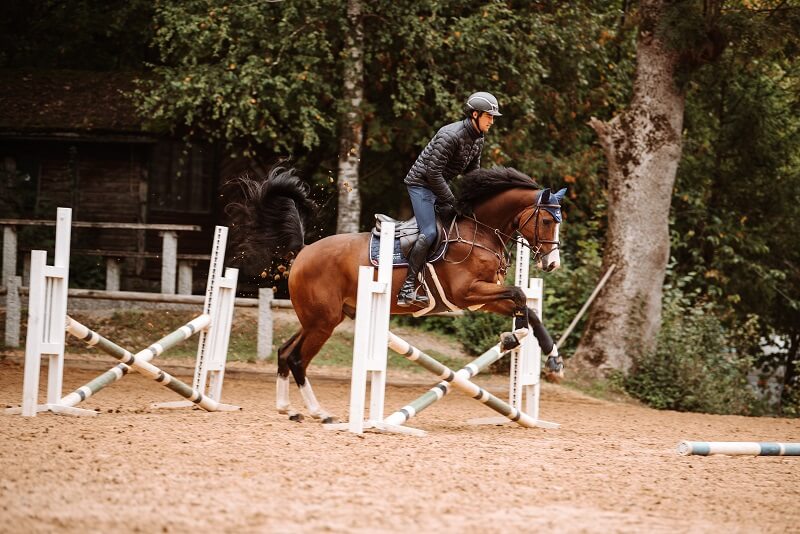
(643, 148)
(349, 208)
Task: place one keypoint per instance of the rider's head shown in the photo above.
(482, 108)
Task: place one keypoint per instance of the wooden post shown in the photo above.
(265, 297)
(185, 277)
(9, 252)
(13, 310)
(169, 258)
(112, 274)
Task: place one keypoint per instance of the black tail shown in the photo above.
(269, 217)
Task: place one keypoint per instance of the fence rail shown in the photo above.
(14, 291)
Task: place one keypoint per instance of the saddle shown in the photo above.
(407, 232)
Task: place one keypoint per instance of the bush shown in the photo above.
(478, 331)
(441, 325)
(694, 367)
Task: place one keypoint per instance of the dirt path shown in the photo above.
(611, 467)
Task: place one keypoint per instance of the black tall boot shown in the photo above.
(416, 261)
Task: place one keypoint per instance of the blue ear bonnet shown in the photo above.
(554, 199)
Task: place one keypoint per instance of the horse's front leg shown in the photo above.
(503, 300)
(554, 366)
(511, 300)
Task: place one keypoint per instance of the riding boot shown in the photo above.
(416, 261)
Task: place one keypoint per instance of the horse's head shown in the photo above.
(539, 224)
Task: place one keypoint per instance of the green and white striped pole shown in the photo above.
(115, 373)
(441, 389)
(738, 448)
(147, 369)
(458, 381)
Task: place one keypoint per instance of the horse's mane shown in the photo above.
(482, 184)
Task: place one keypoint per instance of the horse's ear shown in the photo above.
(560, 194)
(545, 197)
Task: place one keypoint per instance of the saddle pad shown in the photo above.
(398, 259)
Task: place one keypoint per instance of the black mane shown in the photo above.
(482, 184)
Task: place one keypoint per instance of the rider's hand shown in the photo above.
(446, 212)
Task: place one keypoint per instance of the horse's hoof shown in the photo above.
(554, 378)
(508, 341)
(554, 369)
(296, 417)
(330, 420)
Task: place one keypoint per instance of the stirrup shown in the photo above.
(413, 297)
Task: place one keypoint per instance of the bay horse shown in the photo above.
(271, 216)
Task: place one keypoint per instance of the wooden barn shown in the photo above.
(73, 139)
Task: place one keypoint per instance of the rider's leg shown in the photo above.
(422, 200)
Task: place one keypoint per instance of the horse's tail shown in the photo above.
(269, 216)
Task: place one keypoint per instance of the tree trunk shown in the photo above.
(349, 210)
(643, 148)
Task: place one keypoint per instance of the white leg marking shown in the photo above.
(282, 394)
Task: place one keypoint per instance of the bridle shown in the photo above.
(538, 241)
(503, 238)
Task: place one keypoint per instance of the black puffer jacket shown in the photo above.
(455, 149)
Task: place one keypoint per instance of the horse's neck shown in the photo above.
(502, 211)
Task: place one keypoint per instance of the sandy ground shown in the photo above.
(611, 467)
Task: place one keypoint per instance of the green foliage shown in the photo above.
(443, 325)
(252, 74)
(736, 194)
(479, 331)
(696, 365)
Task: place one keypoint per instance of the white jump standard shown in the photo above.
(738, 448)
(48, 323)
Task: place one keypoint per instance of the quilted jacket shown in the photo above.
(455, 149)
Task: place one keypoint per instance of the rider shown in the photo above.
(455, 149)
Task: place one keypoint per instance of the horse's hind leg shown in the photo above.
(301, 355)
(282, 402)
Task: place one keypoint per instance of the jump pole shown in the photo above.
(118, 371)
(441, 389)
(145, 368)
(461, 383)
(737, 448)
(525, 364)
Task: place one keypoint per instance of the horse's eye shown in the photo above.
(547, 222)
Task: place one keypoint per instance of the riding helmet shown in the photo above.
(484, 102)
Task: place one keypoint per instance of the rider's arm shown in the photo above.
(440, 154)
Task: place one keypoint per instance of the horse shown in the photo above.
(496, 206)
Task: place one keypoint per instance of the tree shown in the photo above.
(349, 207)
(258, 76)
(643, 145)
